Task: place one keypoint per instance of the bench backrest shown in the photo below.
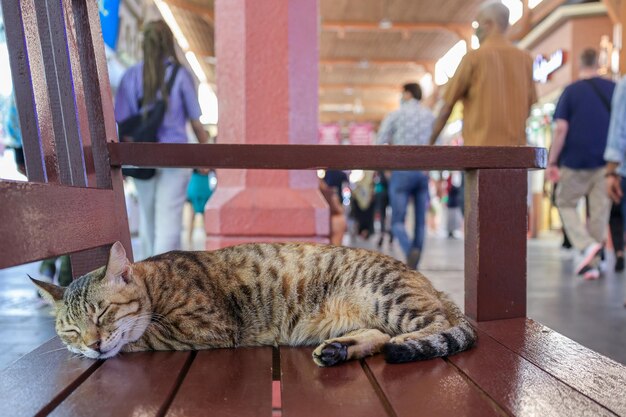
(75, 200)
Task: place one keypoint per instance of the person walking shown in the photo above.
(161, 198)
(576, 160)
(495, 83)
(410, 125)
(615, 155)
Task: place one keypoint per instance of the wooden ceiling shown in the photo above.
(368, 48)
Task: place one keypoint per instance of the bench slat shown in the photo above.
(132, 382)
(49, 220)
(433, 387)
(596, 376)
(520, 387)
(42, 379)
(310, 391)
(325, 156)
(226, 382)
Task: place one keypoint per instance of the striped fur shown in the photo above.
(350, 302)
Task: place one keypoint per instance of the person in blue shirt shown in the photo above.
(616, 149)
(576, 160)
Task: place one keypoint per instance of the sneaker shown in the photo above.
(589, 254)
(619, 263)
(591, 274)
(413, 258)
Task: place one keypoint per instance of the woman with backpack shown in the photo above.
(159, 95)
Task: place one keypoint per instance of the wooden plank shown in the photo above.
(310, 391)
(324, 156)
(495, 244)
(67, 96)
(84, 19)
(434, 387)
(594, 375)
(37, 382)
(52, 50)
(50, 220)
(520, 387)
(128, 384)
(226, 382)
(25, 58)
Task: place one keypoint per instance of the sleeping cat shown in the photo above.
(351, 302)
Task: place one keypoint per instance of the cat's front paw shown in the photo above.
(330, 353)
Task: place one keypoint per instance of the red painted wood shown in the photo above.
(50, 220)
(594, 375)
(20, 23)
(128, 385)
(226, 382)
(434, 388)
(310, 391)
(63, 96)
(97, 91)
(520, 387)
(40, 380)
(495, 244)
(325, 156)
(83, 18)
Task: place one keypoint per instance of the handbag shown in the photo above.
(143, 127)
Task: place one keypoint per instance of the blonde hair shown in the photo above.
(158, 46)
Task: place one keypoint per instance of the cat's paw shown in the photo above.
(330, 353)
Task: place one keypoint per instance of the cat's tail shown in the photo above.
(458, 337)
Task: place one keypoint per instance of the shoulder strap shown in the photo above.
(602, 97)
(170, 82)
(168, 87)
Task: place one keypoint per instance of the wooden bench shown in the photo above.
(75, 204)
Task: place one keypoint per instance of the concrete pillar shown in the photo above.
(267, 82)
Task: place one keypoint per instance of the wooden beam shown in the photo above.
(613, 10)
(193, 155)
(204, 12)
(352, 26)
(544, 9)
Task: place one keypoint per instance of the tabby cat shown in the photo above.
(351, 302)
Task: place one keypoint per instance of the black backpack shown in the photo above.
(143, 127)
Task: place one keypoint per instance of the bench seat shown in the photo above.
(519, 367)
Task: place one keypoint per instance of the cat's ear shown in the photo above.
(118, 267)
(49, 291)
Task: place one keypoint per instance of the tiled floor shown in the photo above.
(592, 313)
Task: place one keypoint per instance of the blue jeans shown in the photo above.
(402, 186)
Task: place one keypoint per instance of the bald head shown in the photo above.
(492, 16)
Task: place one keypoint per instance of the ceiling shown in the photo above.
(363, 62)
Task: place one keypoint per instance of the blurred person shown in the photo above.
(363, 205)
(410, 125)
(454, 214)
(162, 197)
(495, 83)
(381, 202)
(615, 152)
(338, 224)
(576, 160)
(14, 132)
(336, 179)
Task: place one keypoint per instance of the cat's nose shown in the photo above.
(95, 346)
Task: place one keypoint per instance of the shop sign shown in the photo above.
(361, 133)
(329, 134)
(544, 67)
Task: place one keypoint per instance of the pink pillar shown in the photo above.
(267, 87)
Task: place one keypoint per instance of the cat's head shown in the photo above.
(100, 312)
